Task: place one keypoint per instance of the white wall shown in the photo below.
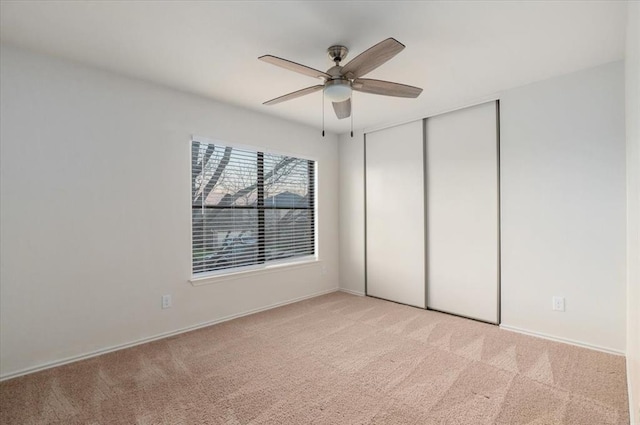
(95, 210)
(351, 153)
(632, 92)
(563, 200)
(563, 206)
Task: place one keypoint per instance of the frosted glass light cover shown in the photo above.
(338, 92)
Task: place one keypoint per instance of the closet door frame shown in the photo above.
(426, 212)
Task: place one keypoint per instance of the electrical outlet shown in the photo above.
(166, 301)
(323, 270)
(558, 303)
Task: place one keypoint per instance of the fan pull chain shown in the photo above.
(322, 113)
(352, 116)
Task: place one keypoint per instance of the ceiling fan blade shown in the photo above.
(296, 67)
(342, 109)
(386, 88)
(372, 58)
(294, 94)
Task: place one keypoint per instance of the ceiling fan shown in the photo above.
(339, 81)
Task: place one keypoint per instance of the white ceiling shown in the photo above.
(458, 51)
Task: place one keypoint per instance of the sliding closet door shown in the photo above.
(462, 216)
(395, 239)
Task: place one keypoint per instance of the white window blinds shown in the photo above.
(249, 208)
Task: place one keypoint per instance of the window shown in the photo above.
(249, 208)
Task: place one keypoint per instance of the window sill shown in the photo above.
(273, 268)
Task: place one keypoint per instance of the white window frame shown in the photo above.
(263, 268)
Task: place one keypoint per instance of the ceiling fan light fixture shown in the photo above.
(337, 90)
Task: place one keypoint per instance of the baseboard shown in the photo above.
(564, 340)
(352, 292)
(118, 347)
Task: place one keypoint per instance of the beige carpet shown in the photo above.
(335, 359)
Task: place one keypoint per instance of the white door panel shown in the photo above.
(462, 212)
(395, 216)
